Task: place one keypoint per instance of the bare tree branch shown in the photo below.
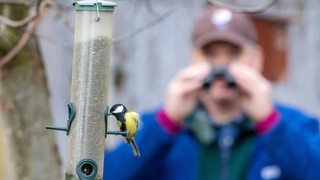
(24, 39)
(19, 23)
(18, 2)
(55, 41)
(133, 33)
(61, 13)
(26, 20)
(244, 9)
(150, 8)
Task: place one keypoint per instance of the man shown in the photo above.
(221, 132)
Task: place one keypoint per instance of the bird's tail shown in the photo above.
(134, 146)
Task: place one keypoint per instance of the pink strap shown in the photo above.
(268, 123)
(167, 123)
(261, 127)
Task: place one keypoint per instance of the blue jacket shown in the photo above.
(290, 150)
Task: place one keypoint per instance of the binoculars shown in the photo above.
(219, 73)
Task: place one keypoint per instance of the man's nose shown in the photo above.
(222, 61)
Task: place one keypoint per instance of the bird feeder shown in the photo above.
(89, 89)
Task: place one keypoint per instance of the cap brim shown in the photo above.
(218, 36)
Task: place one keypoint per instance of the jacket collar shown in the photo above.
(202, 126)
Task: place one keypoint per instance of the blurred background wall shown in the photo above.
(152, 41)
(145, 62)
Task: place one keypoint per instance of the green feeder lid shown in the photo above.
(91, 5)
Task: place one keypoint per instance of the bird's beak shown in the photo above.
(109, 114)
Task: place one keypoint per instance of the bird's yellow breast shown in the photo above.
(132, 122)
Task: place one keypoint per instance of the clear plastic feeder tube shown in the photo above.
(89, 89)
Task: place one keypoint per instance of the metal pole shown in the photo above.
(89, 89)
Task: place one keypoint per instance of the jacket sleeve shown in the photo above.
(294, 144)
(153, 142)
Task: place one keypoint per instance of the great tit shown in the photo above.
(127, 121)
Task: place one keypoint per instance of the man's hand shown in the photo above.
(183, 91)
(257, 100)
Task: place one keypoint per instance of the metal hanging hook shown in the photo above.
(97, 10)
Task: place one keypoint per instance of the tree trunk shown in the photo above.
(27, 149)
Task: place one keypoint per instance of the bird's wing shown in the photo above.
(119, 125)
(136, 117)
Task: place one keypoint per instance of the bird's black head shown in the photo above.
(118, 109)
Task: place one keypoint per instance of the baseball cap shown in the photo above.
(220, 24)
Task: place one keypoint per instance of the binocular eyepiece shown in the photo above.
(219, 73)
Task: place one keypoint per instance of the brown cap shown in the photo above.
(223, 25)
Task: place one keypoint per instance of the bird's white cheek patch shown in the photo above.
(119, 109)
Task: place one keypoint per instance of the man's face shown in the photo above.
(222, 54)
